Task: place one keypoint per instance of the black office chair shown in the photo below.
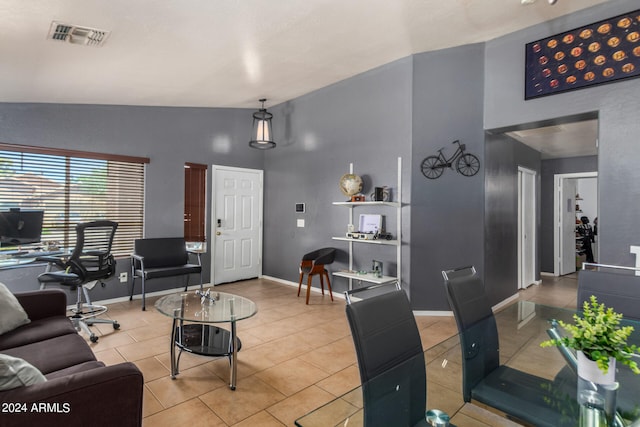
(90, 261)
(390, 359)
(517, 394)
(313, 263)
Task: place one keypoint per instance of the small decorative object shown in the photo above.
(466, 164)
(357, 198)
(376, 268)
(602, 52)
(206, 297)
(381, 194)
(600, 342)
(261, 134)
(350, 184)
(599, 336)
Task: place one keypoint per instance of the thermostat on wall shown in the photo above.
(299, 207)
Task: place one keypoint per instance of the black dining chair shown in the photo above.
(390, 359)
(519, 395)
(614, 286)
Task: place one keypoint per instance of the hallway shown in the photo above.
(559, 291)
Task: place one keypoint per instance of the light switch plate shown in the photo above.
(300, 222)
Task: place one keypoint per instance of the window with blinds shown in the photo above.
(195, 202)
(74, 187)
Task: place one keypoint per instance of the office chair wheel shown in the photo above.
(93, 338)
(116, 325)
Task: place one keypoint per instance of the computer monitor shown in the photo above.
(20, 227)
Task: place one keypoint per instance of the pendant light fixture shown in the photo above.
(261, 134)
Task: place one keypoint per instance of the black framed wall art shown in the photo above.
(602, 52)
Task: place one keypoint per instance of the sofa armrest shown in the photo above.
(108, 396)
(43, 303)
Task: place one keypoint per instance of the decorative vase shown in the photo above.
(589, 370)
(596, 392)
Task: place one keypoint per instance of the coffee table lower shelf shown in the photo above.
(204, 340)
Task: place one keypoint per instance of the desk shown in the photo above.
(522, 326)
(200, 336)
(20, 258)
(15, 262)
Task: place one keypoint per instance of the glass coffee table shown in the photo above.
(194, 315)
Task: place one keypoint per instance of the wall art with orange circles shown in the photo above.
(603, 52)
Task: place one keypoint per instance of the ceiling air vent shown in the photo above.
(77, 35)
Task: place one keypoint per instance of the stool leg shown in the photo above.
(321, 284)
(308, 287)
(300, 282)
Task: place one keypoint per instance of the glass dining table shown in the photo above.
(193, 329)
(522, 326)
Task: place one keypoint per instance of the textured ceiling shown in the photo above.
(229, 53)
(562, 140)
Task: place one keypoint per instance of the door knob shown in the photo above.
(218, 233)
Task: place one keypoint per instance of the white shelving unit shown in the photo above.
(369, 277)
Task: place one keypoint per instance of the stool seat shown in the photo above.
(312, 264)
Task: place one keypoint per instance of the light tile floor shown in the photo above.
(294, 358)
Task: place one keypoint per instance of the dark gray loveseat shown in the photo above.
(79, 390)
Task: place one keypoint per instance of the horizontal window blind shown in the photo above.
(195, 201)
(74, 187)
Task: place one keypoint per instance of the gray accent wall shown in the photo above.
(503, 157)
(364, 120)
(447, 213)
(168, 136)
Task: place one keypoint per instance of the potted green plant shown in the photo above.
(597, 334)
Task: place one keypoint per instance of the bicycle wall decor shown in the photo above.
(466, 164)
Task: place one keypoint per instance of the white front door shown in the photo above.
(237, 224)
(526, 227)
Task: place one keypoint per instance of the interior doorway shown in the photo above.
(527, 236)
(570, 198)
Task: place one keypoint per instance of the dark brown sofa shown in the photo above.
(79, 390)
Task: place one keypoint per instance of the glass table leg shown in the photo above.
(234, 356)
(174, 363)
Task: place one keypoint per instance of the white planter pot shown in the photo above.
(588, 370)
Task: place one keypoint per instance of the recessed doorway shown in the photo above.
(566, 145)
(572, 191)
